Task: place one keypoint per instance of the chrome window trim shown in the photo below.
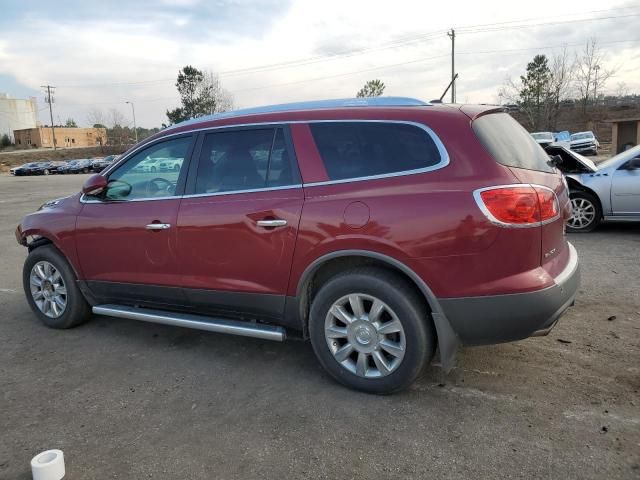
(495, 221)
(195, 195)
(444, 155)
(234, 192)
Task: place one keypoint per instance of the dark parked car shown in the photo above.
(100, 164)
(80, 166)
(384, 230)
(66, 166)
(33, 168)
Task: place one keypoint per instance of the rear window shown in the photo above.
(509, 143)
(365, 149)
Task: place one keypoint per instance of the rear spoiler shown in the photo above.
(476, 111)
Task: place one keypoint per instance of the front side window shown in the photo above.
(239, 160)
(151, 173)
(365, 149)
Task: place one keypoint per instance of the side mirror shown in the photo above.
(94, 185)
(634, 164)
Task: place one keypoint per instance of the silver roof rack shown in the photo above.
(312, 105)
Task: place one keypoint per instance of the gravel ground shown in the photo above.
(125, 400)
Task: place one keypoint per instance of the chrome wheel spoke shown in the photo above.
(381, 362)
(40, 271)
(341, 314)
(356, 305)
(376, 310)
(343, 352)
(362, 364)
(336, 332)
(394, 326)
(61, 290)
(392, 348)
(36, 280)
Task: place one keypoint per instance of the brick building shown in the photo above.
(41, 137)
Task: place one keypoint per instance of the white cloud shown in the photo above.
(103, 62)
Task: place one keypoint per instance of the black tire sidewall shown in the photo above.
(596, 204)
(77, 310)
(399, 296)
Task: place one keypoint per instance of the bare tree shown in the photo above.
(116, 118)
(95, 116)
(560, 86)
(622, 90)
(591, 76)
(215, 97)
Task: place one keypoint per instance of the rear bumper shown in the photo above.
(505, 318)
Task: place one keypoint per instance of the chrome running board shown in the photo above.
(197, 322)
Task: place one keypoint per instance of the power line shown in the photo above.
(470, 29)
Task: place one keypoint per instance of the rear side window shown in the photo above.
(365, 149)
(509, 143)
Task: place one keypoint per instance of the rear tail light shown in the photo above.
(518, 205)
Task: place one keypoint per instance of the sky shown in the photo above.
(99, 55)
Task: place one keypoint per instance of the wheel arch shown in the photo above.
(330, 264)
(575, 186)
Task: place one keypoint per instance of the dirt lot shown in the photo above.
(129, 400)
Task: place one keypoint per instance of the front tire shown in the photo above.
(371, 330)
(586, 212)
(52, 293)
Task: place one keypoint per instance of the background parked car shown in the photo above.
(585, 143)
(81, 166)
(33, 168)
(66, 166)
(170, 164)
(99, 164)
(544, 139)
(608, 191)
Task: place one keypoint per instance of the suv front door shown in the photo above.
(126, 237)
(238, 222)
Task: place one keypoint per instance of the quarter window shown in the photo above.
(365, 149)
(151, 173)
(239, 160)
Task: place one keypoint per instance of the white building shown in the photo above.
(17, 114)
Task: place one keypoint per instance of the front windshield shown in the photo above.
(627, 155)
(581, 136)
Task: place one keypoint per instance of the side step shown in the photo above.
(197, 322)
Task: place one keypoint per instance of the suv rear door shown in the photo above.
(238, 221)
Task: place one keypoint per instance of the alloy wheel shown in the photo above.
(48, 290)
(365, 335)
(583, 213)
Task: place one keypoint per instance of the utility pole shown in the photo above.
(135, 129)
(595, 86)
(49, 99)
(452, 35)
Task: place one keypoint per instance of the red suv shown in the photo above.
(383, 230)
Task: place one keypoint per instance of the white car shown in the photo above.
(544, 139)
(585, 143)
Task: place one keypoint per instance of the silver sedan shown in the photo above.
(609, 191)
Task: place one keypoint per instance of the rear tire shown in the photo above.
(586, 212)
(386, 331)
(45, 276)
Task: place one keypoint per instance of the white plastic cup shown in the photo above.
(48, 465)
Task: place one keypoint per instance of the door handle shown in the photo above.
(158, 226)
(271, 223)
